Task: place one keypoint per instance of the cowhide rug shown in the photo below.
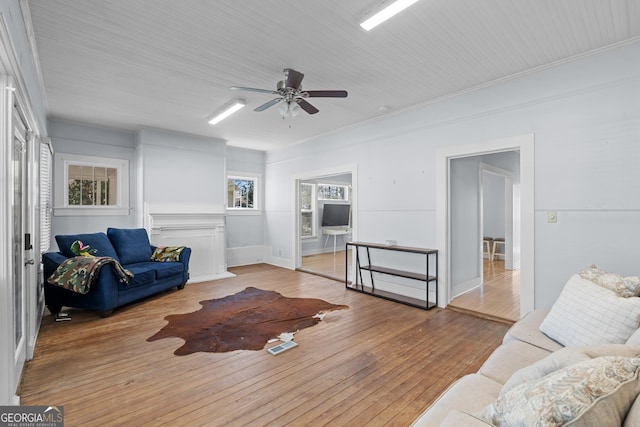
(244, 321)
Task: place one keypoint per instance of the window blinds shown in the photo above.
(45, 195)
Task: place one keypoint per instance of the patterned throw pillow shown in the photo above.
(624, 286)
(591, 272)
(80, 249)
(596, 392)
(167, 253)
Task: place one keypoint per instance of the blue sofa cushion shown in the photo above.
(142, 276)
(162, 270)
(98, 241)
(168, 269)
(131, 244)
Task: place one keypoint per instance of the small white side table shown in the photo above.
(335, 232)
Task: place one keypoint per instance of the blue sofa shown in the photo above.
(131, 248)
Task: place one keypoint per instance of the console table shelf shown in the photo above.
(359, 285)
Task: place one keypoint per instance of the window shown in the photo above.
(92, 185)
(88, 185)
(333, 192)
(45, 195)
(307, 210)
(242, 192)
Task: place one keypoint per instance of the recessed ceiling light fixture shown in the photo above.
(227, 110)
(386, 13)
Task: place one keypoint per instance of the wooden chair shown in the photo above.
(487, 247)
(498, 241)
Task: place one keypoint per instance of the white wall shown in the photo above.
(77, 138)
(180, 168)
(164, 167)
(493, 205)
(584, 114)
(465, 224)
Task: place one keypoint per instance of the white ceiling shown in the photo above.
(169, 63)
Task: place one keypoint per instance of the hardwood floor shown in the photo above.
(376, 363)
(498, 298)
(326, 264)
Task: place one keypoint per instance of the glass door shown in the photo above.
(21, 248)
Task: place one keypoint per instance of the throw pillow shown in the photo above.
(564, 357)
(623, 286)
(588, 314)
(591, 272)
(97, 241)
(167, 253)
(132, 244)
(596, 392)
(80, 249)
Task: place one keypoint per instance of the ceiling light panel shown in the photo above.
(227, 110)
(386, 13)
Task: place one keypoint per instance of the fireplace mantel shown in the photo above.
(198, 226)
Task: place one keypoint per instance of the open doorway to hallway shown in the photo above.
(485, 218)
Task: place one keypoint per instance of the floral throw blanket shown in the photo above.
(77, 274)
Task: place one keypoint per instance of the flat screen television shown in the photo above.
(335, 215)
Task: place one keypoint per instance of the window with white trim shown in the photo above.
(333, 192)
(88, 185)
(243, 192)
(307, 210)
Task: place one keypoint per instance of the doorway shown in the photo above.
(325, 220)
(18, 195)
(496, 292)
(19, 265)
(446, 234)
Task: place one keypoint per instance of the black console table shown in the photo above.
(358, 284)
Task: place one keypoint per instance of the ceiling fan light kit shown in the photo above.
(290, 95)
(387, 12)
(227, 110)
(289, 108)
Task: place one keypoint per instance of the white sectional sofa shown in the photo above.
(586, 376)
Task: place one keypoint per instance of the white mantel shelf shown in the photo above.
(198, 226)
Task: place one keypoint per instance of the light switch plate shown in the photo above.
(552, 216)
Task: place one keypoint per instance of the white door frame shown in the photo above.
(295, 210)
(525, 145)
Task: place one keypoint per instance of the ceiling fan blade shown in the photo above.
(268, 104)
(326, 93)
(307, 107)
(294, 78)
(252, 89)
